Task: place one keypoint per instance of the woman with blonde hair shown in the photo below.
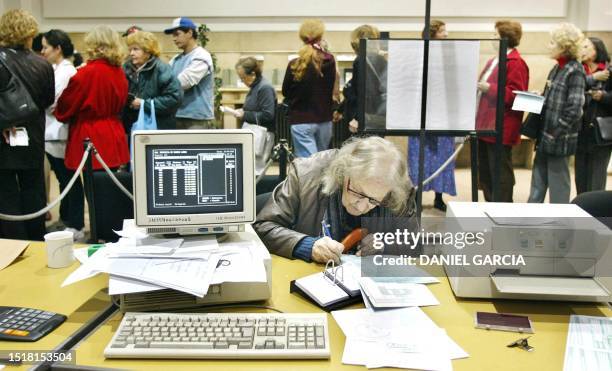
(22, 183)
(364, 184)
(308, 89)
(92, 102)
(562, 114)
(150, 80)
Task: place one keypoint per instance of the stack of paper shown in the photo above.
(406, 290)
(403, 338)
(139, 263)
(589, 344)
(396, 293)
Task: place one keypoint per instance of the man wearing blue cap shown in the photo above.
(194, 70)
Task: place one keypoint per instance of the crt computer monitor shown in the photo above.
(193, 181)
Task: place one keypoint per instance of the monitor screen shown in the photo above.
(194, 179)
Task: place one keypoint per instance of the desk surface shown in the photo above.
(487, 349)
(28, 282)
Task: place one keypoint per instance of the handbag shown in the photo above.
(16, 104)
(533, 125)
(603, 131)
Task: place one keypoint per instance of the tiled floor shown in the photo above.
(462, 178)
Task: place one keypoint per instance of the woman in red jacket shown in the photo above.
(517, 78)
(93, 100)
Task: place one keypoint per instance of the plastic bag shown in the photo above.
(144, 121)
(261, 135)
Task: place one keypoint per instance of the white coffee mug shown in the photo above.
(59, 249)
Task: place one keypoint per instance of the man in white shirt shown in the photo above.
(195, 71)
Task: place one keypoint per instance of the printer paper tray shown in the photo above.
(559, 286)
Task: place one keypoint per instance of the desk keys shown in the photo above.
(521, 343)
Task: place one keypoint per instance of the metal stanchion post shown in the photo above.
(474, 165)
(89, 192)
(282, 160)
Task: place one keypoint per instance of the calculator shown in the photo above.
(27, 324)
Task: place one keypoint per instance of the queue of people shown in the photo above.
(102, 100)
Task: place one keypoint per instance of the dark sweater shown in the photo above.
(260, 103)
(37, 77)
(310, 99)
(156, 82)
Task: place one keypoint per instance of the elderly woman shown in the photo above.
(592, 159)
(150, 80)
(92, 103)
(367, 177)
(517, 79)
(22, 183)
(562, 115)
(260, 102)
(308, 87)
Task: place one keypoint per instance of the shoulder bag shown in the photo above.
(603, 131)
(16, 104)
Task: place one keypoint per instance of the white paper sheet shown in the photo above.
(81, 254)
(527, 102)
(404, 338)
(404, 84)
(130, 230)
(147, 245)
(95, 264)
(239, 265)
(120, 285)
(397, 294)
(362, 323)
(405, 274)
(321, 289)
(589, 344)
(451, 85)
(191, 265)
(189, 275)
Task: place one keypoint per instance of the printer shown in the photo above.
(550, 251)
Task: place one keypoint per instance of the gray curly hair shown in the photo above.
(569, 39)
(371, 158)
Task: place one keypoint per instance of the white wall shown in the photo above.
(339, 15)
(599, 15)
(300, 8)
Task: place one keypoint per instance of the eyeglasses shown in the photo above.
(371, 200)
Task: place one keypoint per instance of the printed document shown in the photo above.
(397, 294)
(589, 344)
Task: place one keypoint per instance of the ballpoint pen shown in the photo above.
(325, 229)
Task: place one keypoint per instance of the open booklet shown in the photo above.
(334, 287)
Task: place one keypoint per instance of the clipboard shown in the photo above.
(329, 288)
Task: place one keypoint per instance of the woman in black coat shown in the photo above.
(591, 158)
(22, 182)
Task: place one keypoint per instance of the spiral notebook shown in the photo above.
(335, 285)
